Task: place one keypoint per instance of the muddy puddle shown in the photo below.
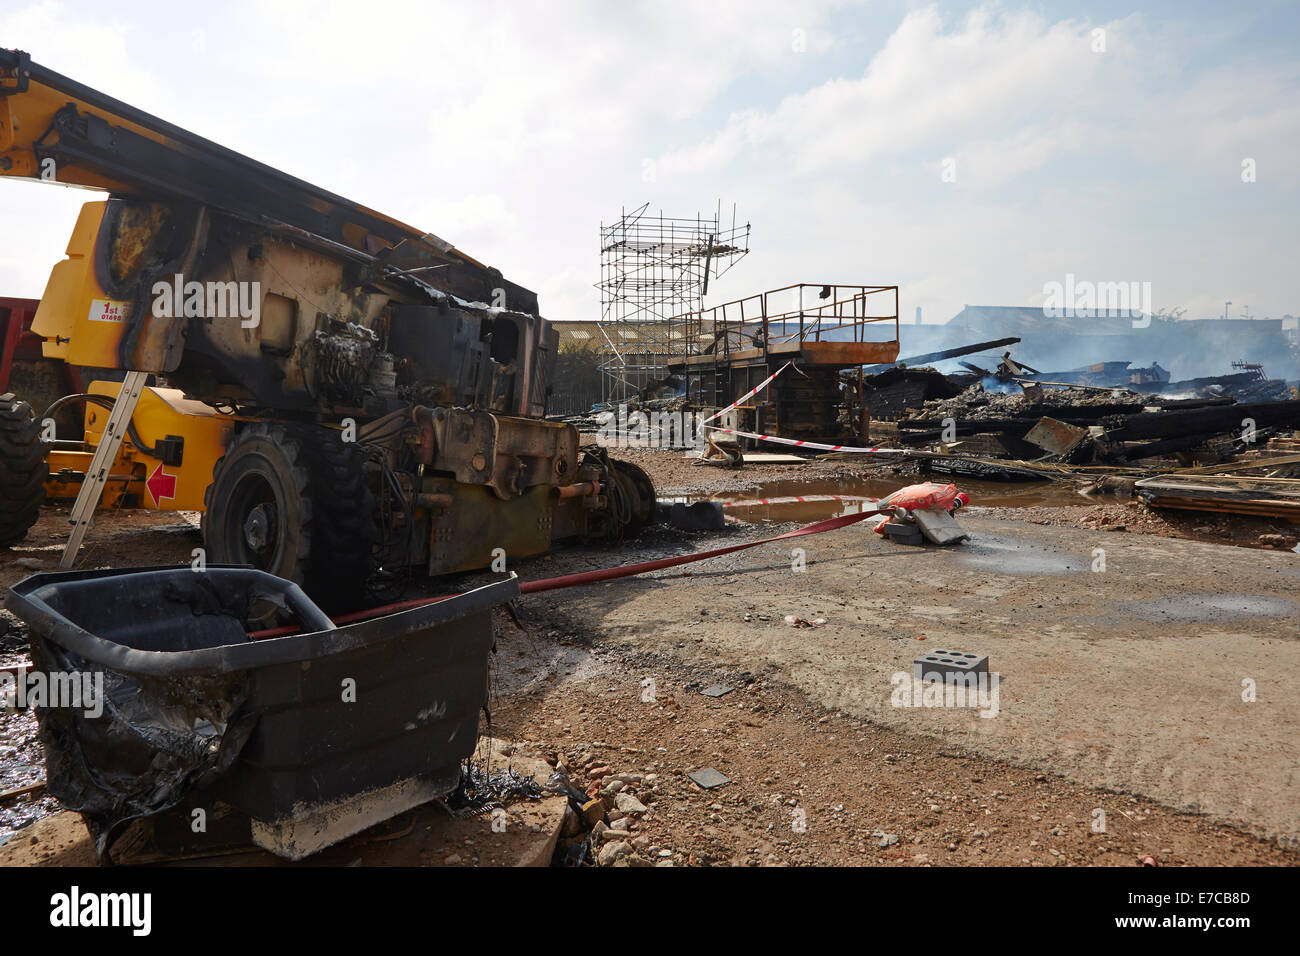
(813, 500)
(22, 762)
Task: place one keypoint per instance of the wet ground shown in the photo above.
(811, 499)
(1153, 666)
(124, 539)
(21, 764)
(21, 758)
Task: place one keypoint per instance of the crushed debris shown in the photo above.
(483, 789)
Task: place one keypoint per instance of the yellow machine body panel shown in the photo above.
(139, 479)
(31, 100)
(25, 118)
(81, 324)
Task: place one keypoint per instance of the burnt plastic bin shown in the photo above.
(314, 736)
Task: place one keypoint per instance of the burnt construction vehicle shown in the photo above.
(345, 398)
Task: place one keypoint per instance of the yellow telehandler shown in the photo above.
(344, 397)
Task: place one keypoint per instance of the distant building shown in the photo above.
(585, 359)
(1187, 348)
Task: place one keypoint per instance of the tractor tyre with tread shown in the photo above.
(292, 499)
(23, 469)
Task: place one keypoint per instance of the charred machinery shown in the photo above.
(345, 398)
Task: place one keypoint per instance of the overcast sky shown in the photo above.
(514, 129)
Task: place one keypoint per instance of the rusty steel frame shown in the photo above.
(723, 326)
(822, 326)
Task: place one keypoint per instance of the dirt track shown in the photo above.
(813, 787)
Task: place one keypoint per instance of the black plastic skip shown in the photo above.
(313, 736)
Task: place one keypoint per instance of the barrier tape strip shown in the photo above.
(793, 500)
(812, 444)
(751, 393)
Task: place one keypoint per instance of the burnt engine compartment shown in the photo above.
(446, 395)
(335, 332)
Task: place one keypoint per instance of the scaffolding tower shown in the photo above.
(653, 268)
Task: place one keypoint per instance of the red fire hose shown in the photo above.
(592, 577)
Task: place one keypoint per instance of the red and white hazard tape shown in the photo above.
(812, 444)
(750, 394)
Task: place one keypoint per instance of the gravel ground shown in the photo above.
(1244, 531)
(1123, 657)
(810, 786)
(674, 474)
(1093, 716)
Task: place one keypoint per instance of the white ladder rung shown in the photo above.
(101, 463)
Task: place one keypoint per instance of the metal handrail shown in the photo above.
(848, 311)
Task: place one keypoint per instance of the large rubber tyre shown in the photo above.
(23, 469)
(293, 500)
(640, 491)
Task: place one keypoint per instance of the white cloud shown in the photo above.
(927, 88)
(1066, 160)
(68, 42)
(987, 163)
(36, 220)
(513, 130)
